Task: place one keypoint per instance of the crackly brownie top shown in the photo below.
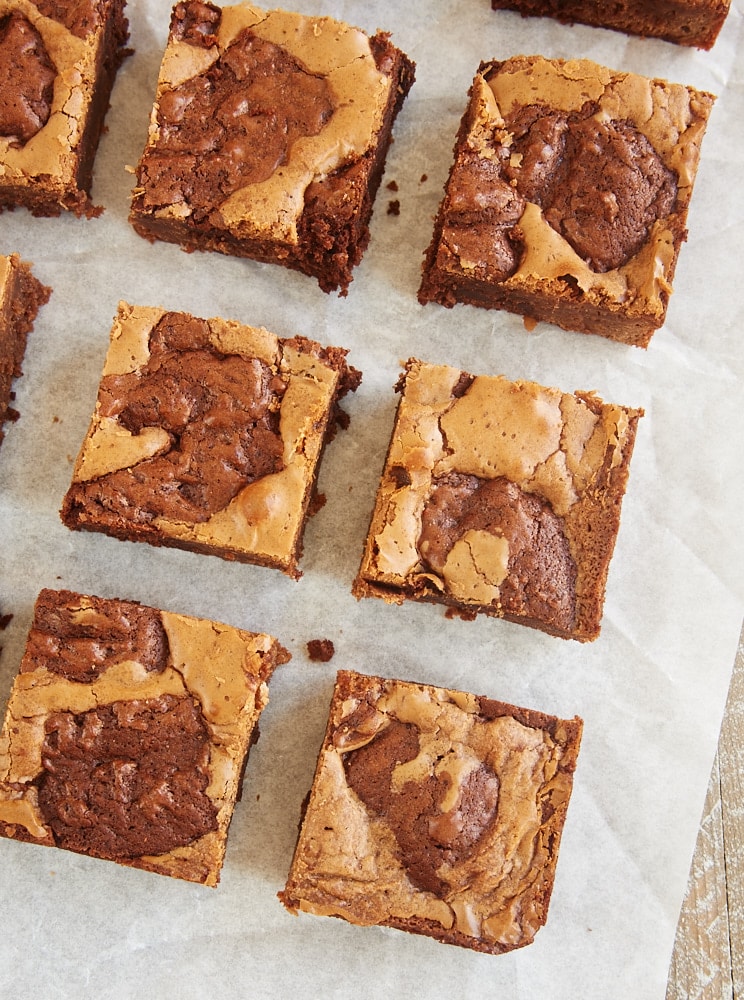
(207, 430)
(569, 168)
(435, 804)
(48, 53)
(118, 742)
(26, 79)
(488, 489)
(252, 106)
(219, 413)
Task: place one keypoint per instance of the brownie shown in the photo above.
(58, 62)
(568, 196)
(268, 137)
(501, 498)
(685, 22)
(207, 435)
(21, 297)
(436, 812)
(127, 733)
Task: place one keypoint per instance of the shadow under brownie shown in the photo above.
(500, 498)
(58, 62)
(568, 196)
(268, 137)
(436, 812)
(207, 435)
(127, 733)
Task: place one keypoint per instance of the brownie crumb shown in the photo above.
(393, 207)
(423, 179)
(320, 650)
(5, 620)
(392, 186)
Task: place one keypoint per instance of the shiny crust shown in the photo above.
(494, 896)
(224, 669)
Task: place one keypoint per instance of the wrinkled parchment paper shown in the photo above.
(652, 688)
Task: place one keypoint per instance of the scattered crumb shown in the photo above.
(392, 186)
(466, 616)
(393, 207)
(5, 620)
(317, 502)
(55, 419)
(529, 323)
(423, 179)
(320, 650)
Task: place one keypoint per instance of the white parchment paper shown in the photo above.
(652, 688)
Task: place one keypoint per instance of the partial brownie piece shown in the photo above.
(567, 200)
(58, 62)
(268, 137)
(207, 435)
(499, 498)
(21, 297)
(685, 22)
(436, 812)
(127, 733)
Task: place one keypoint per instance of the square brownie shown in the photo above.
(568, 196)
(685, 22)
(436, 812)
(268, 137)
(207, 435)
(127, 733)
(58, 62)
(21, 297)
(500, 498)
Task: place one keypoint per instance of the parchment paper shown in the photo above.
(651, 689)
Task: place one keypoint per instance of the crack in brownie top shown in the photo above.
(220, 413)
(491, 540)
(127, 779)
(27, 77)
(600, 184)
(435, 820)
(80, 17)
(233, 125)
(80, 641)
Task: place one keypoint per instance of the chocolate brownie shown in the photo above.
(207, 435)
(501, 498)
(268, 137)
(436, 812)
(58, 62)
(685, 22)
(127, 733)
(568, 196)
(21, 297)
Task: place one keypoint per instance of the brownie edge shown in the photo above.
(435, 812)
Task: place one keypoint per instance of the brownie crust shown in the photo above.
(685, 22)
(58, 63)
(268, 137)
(436, 812)
(568, 196)
(500, 498)
(21, 297)
(207, 435)
(127, 732)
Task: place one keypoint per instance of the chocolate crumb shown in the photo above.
(423, 179)
(392, 186)
(393, 207)
(320, 650)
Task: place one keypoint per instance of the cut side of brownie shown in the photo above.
(21, 297)
(435, 812)
(127, 733)
(268, 137)
(500, 498)
(685, 22)
(58, 62)
(207, 435)
(568, 196)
